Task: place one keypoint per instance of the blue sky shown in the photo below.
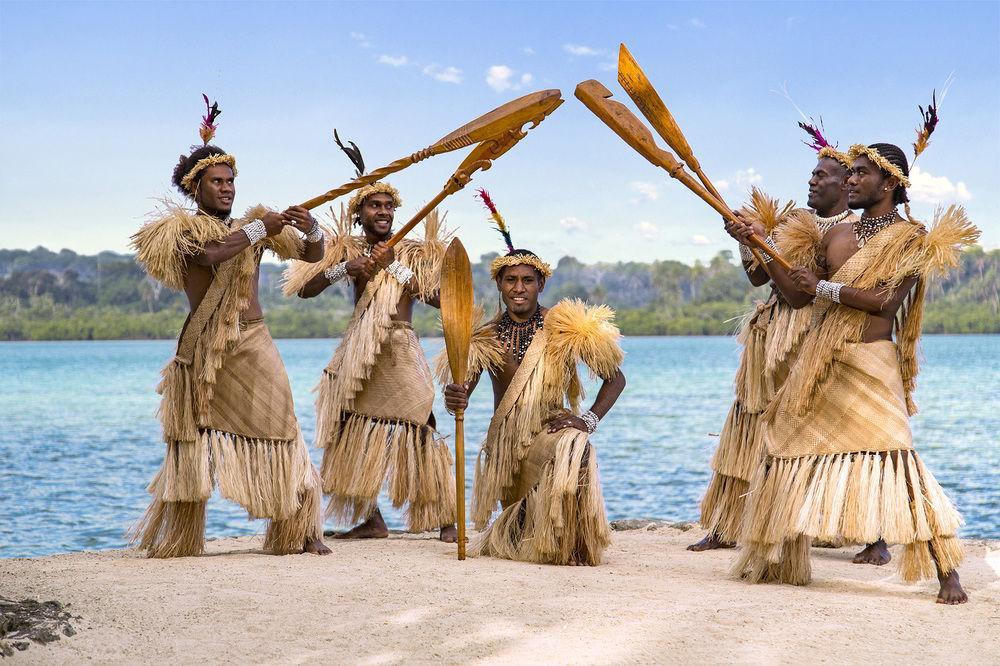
(98, 99)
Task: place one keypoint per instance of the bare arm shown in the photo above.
(302, 219)
(872, 301)
(793, 295)
(359, 268)
(217, 252)
(605, 400)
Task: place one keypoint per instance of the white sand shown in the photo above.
(406, 600)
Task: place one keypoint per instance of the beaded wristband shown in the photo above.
(745, 254)
(590, 418)
(255, 231)
(829, 290)
(774, 246)
(397, 270)
(315, 233)
(336, 273)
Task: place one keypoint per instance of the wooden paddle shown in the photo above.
(480, 159)
(489, 125)
(641, 90)
(456, 319)
(623, 122)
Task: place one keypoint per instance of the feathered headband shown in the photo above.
(510, 259)
(929, 121)
(819, 143)
(207, 132)
(354, 154)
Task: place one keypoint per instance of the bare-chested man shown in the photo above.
(537, 461)
(840, 462)
(227, 409)
(374, 419)
(768, 336)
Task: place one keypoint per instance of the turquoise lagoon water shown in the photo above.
(79, 439)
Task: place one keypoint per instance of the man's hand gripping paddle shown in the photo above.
(456, 320)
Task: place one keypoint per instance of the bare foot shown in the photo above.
(449, 534)
(710, 542)
(951, 592)
(315, 546)
(373, 528)
(874, 553)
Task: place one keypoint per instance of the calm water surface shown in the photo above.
(79, 440)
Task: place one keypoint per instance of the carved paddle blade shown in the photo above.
(637, 85)
(533, 107)
(456, 308)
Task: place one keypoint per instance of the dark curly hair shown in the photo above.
(186, 162)
(896, 157)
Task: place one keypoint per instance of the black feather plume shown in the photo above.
(353, 153)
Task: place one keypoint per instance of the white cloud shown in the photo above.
(393, 61)
(647, 191)
(580, 50)
(361, 39)
(722, 185)
(673, 26)
(745, 177)
(501, 78)
(935, 189)
(498, 77)
(699, 239)
(527, 50)
(647, 230)
(696, 23)
(572, 224)
(607, 66)
(444, 74)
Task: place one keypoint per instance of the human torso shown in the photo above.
(839, 245)
(404, 308)
(199, 279)
(502, 377)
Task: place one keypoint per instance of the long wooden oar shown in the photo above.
(624, 123)
(480, 159)
(456, 319)
(641, 90)
(516, 112)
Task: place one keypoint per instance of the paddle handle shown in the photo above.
(756, 241)
(416, 219)
(460, 479)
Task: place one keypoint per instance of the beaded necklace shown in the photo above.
(824, 223)
(866, 227)
(516, 336)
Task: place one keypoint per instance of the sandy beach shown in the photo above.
(407, 600)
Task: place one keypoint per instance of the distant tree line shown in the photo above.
(47, 295)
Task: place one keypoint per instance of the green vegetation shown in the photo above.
(46, 295)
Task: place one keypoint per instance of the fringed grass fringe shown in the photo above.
(361, 454)
(578, 332)
(506, 445)
(723, 505)
(176, 411)
(269, 479)
(752, 387)
(741, 444)
(560, 521)
(792, 567)
(285, 537)
(171, 529)
(853, 498)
